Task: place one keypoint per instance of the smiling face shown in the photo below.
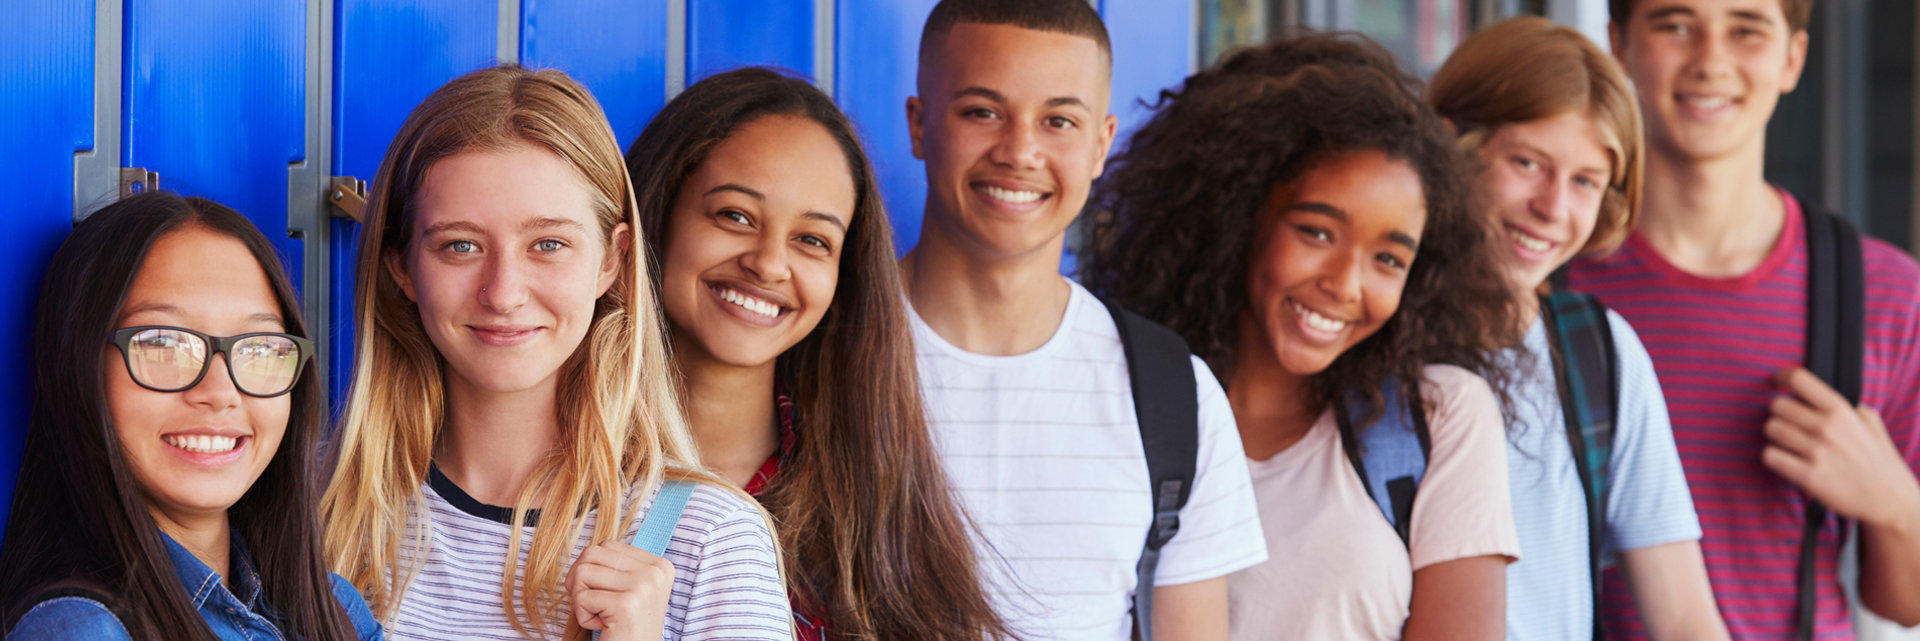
(1544, 181)
(505, 260)
(1331, 258)
(753, 244)
(1709, 72)
(1013, 133)
(196, 452)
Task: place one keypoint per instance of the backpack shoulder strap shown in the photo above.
(656, 528)
(1586, 374)
(1390, 455)
(1167, 406)
(1836, 344)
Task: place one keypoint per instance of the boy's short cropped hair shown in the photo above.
(1071, 17)
(1797, 12)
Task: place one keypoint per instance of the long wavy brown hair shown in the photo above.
(1169, 237)
(867, 519)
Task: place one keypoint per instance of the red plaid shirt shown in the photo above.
(808, 625)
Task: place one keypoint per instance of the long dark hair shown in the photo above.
(866, 516)
(1172, 220)
(79, 518)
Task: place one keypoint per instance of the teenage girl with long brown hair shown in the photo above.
(778, 279)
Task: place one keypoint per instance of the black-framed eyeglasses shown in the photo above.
(173, 359)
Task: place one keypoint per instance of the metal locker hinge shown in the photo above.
(348, 196)
(137, 180)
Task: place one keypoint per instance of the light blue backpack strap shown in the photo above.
(656, 528)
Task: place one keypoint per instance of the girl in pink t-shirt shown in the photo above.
(1300, 217)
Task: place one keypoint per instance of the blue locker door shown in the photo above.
(619, 51)
(724, 34)
(214, 100)
(46, 97)
(1152, 50)
(876, 58)
(387, 56)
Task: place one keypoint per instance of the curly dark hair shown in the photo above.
(1173, 216)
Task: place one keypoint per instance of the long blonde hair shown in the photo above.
(619, 415)
(1529, 68)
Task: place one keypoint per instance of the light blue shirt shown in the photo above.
(1550, 589)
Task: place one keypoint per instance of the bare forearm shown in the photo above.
(1670, 585)
(1460, 600)
(1191, 611)
(1890, 566)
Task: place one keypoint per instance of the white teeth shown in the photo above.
(1529, 242)
(1706, 103)
(202, 443)
(997, 193)
(749, 303)
(1317, 321)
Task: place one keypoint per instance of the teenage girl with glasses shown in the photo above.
(167, 487)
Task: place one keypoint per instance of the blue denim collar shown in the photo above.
(202, 582)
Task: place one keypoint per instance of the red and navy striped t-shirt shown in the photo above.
(1716, 343)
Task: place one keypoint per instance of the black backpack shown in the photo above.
(1166, 405)
(1836, 352)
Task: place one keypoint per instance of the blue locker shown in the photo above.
(214, 100)
(387, 56)
(724, 34)
(46, 97)
(1152, 50)
(876, 58)
(619, 51)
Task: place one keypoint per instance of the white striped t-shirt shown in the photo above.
(726, 584)
(1045, 452)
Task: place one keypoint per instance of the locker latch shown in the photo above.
(137, 180)
(349, 197)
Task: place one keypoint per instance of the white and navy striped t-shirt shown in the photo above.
(1045, 451)
(726, 582)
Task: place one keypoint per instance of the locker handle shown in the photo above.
(348, 196)
(137, 180)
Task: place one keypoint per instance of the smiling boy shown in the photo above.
(1027, 384)
(1715, 279)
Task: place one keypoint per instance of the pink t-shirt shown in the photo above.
(1335, 569)
(1716, 344)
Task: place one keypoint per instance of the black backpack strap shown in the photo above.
(1166, 403)
(1836, 344)
(1586, 373)
(1379, 452)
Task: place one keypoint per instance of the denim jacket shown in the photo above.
(233, 617)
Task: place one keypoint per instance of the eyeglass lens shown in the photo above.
(169, 359)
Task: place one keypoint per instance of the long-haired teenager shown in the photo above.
(513, 412)
(777, 274)
(1300, 217)
(168, 483)
(1555, 125)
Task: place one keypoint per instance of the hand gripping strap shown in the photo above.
(656, 528)
(1166, 405)
(1836, 343)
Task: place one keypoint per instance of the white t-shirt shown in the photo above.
(1335, 568)
(726, 579)
(1549, 595)
(1044, 449)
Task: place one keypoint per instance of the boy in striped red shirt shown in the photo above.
(1715, 280)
